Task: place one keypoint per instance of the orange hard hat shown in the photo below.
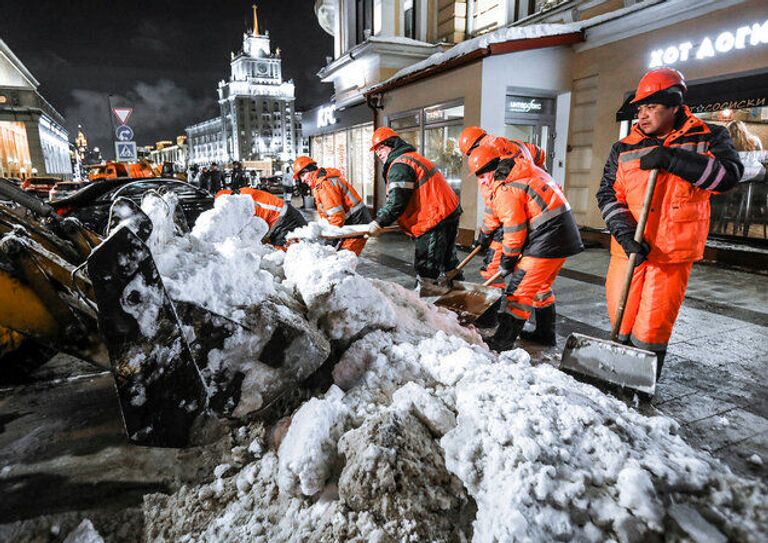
(469, 137)
(300, 163)
(658, 80)
(380, 135)
(481, 157)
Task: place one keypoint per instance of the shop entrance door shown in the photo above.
(539, 133)
(530, 116)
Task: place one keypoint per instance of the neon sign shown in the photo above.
(326, 116)
(743, 37)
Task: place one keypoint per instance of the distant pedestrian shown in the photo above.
(287, 184)
(216, 180)
(238, 179)
(204, 179)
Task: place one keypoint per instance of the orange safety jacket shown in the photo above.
(704, 161)
(337, 200)
(267, 206)
(433, 199)
(510, 148)
(534, 214)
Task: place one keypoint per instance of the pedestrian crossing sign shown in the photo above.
(125, 151)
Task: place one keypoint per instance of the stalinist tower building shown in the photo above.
(257, 120)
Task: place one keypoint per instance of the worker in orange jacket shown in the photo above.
(421, 201)
(281, 218)
(695, 160)
(336, 199)
(470, 139)
(539, 233)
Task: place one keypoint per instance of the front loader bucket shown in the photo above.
(160, 389)
(610, 362)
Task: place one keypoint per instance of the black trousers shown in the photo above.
(436, 250)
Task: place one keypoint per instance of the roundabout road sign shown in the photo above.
(124, 133)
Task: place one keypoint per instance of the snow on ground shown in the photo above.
(425, 435)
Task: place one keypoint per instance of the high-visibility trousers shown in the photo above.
(529, 286)
(354, 244)
(655, 297)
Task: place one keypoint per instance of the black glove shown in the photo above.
(483, 240)
(507, 264)
(658, 159)
(630, 246)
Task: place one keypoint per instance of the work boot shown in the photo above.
(506, 334)
(660, 356)
(544, 333)
(490, 318)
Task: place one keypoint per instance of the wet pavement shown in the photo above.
(713, 382)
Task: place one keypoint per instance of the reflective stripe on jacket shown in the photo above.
(432, 200)
(704, 161)
(535, 217)
(337, 200)
(266, 206)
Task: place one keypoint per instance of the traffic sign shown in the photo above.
(124, 133)
(125, 151)
(122, 113)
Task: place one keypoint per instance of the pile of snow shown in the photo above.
(221, 264)
(426, 435)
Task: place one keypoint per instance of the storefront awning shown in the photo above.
(729, 92)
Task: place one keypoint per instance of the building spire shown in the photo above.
(255, 22)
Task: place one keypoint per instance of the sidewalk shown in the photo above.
(713, 382)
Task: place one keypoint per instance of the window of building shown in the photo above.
(743, 211)
(363, 20)
(409, 13)
(434, 132)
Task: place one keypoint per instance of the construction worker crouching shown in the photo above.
(539, 233)
(337, 201)
(421, 201)
(695, 160)
(281, 217)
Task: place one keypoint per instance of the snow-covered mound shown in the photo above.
(425, 435)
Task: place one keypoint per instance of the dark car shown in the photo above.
(63, 189)
(273, 185)
(91, 204)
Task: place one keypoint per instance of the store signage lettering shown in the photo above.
(525, 107)
(734, 104)
(326, 116)
(745, 36)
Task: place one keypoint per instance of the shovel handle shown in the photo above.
(499, 274)
(455, 271)
(639, 231)
(353, 235)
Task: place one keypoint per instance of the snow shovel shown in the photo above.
(470, 300)
(435, 289)
(608, 360)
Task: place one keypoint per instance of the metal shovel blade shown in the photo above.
(468, 300)
(610, 362)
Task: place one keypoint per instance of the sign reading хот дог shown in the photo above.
(742, 38)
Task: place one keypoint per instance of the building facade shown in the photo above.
(257, 120)
(170, 152)
(33, 140)
(559, 76)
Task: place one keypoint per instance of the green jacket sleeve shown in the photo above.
(401, 182)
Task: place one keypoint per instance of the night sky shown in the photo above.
(163, 58)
